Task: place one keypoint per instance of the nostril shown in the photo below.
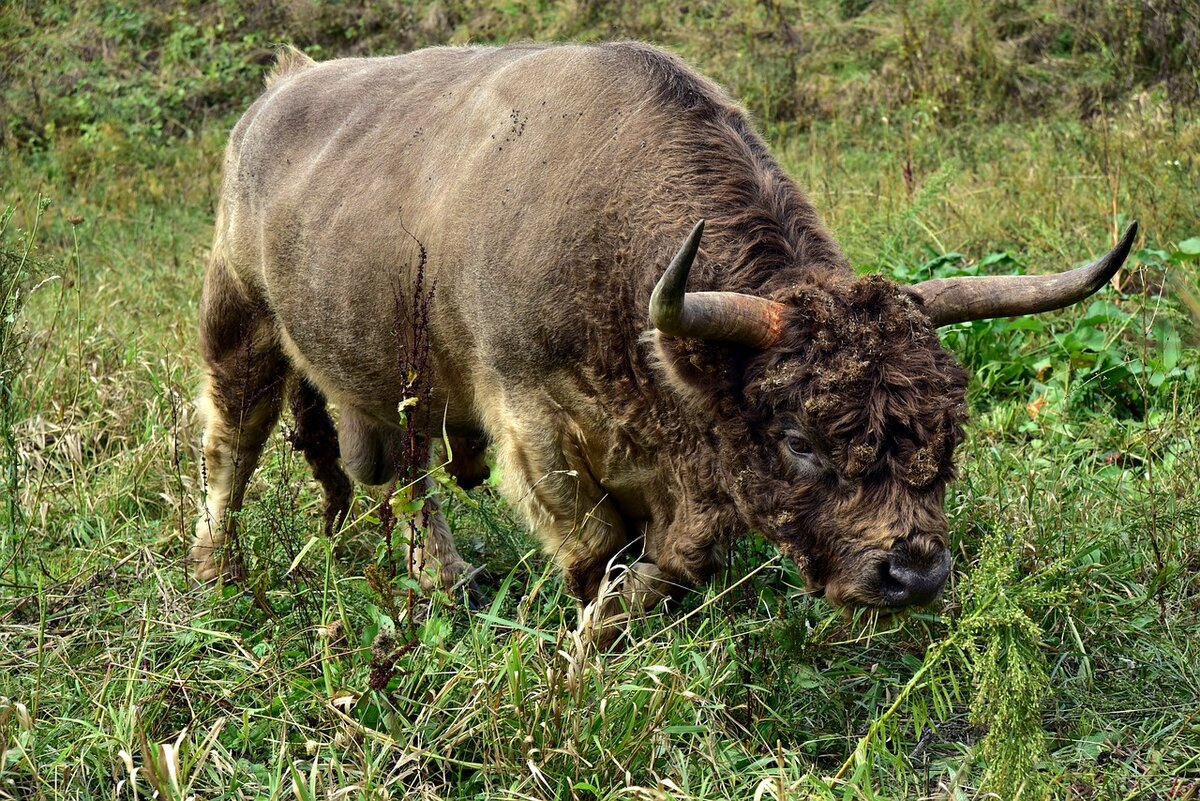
(905, 580)
(892, 586)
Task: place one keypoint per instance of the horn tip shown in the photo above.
(1125, 244)
(1108, 266)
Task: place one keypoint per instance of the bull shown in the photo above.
(636, 412)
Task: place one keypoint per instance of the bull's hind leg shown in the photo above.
(317, 439)
(245, 372)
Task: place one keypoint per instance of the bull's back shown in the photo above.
(498, 164)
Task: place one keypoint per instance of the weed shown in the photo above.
(1010, 672)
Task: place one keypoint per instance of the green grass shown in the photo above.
(935, 137)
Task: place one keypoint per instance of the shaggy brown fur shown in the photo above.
(859, 370)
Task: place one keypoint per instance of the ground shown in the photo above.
(939, 137)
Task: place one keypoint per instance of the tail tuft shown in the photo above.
(288, 59)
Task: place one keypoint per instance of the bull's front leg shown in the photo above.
(677, 558)
(625, 592)
(435, 561)
(545, 474)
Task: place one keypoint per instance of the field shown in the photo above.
(937, 137)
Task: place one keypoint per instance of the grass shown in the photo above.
(935, 137)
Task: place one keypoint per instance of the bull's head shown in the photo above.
(849, 410)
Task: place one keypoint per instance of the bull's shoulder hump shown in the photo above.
(622, 71)
(661, 73)
(313, 98)
(634, 65)
(671, 81)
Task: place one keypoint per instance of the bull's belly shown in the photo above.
(365, 385)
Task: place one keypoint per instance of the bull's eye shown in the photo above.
(801, 452)
(799, 447)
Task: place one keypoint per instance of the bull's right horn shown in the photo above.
(715, 316)
(957, 300)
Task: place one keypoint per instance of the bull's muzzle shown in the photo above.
(913, 572)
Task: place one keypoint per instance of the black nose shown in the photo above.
(913, 576)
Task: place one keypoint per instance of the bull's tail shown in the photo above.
(288, 59)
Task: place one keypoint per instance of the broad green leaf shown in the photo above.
(1151, 255)
(1025, 324)
(1001, 257)
(1172, 346)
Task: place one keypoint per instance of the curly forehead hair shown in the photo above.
(874, 386)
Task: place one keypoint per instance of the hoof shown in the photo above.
(210, 565)
(206, 566)
(451, 577)
(205, 574)
(477, 599)
(601, 626)
(625, 594)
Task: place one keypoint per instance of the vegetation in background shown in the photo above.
(937, 137)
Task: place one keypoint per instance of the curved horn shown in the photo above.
(719, 316)
(956, 300)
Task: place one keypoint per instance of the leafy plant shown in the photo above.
(1009, 665)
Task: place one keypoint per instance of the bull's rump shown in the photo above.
(503, 164)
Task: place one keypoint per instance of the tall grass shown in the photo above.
(17, 266)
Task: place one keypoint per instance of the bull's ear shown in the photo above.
(689, 369)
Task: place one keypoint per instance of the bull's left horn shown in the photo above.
(957, 300)
(717, 316)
